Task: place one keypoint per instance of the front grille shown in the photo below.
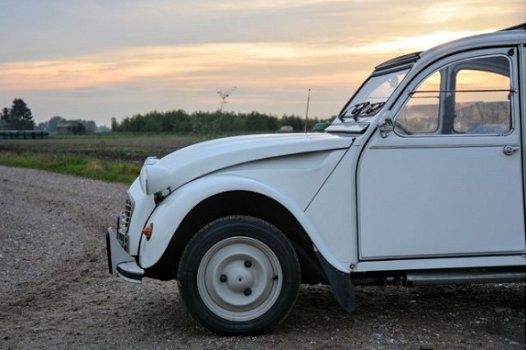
(126, 216)
(124, 224)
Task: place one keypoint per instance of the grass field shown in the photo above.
(111, 157)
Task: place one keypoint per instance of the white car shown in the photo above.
(419, 180)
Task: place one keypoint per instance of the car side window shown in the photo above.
(482, 103)
(465, 97)
(420, 115)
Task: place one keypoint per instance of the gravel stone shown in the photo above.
(57, 293)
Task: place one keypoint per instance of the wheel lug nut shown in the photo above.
(248, 264)
(222, 278)
(247, 292)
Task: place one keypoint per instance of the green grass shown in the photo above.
(115, 157)
(99, 169)
(111, 146)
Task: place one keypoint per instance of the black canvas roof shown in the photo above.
(519, 26)
(399, 61)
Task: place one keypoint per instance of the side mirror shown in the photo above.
(386, 127)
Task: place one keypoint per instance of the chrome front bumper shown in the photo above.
(120, 263)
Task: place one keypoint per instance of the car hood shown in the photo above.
(203, 158)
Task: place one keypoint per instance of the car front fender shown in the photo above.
(169, 214)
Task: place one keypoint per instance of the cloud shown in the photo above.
(183, 63)
(196, 65)
(135, 55)
(276, 5)
(405, 44)
(456, 12)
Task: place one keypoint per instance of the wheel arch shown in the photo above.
(247, 203)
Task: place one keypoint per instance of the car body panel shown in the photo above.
(291, 181)
(207, 157)
(352, 187)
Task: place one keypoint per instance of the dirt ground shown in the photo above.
(56, 292)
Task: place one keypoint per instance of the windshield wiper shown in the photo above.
(364, 108)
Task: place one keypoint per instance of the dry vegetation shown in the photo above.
(110, 157)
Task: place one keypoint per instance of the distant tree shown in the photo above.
(114, 124)
(102, 129)
(90, 125)
(20, 116)
(153, 123)
(257, 122)
(5, 114)
(296, 122)
(4, 119)
(181, 121)
(53, 122)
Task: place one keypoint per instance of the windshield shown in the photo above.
(373, 94)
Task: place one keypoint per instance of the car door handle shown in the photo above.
(509, 150)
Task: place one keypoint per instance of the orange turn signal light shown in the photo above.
(147, 231)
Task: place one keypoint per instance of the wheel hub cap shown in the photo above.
(239, 278)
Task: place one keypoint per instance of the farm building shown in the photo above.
(71, 127)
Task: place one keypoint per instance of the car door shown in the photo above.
(448, 180)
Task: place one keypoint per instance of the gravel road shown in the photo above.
(57, 294)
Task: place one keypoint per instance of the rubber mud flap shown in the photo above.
(341, 285)
(108, 251)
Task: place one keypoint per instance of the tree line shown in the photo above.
(20, 117)
(211, 122)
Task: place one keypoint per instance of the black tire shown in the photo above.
(239, 275)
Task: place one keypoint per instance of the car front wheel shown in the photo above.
(239, 275)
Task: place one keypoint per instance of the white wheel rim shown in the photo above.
(239, 278)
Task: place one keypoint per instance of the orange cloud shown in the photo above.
(250, 64)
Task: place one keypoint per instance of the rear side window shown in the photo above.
(482, 101)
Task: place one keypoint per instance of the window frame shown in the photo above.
(455, 62)
(464, 65)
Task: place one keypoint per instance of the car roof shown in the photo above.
(505, 37)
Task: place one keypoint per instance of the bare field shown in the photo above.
(119, 146)
(114, 157)
(56, 291)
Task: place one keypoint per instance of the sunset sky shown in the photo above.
(99, 59)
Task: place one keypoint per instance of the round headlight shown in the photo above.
(154, 178)
(157, 179)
